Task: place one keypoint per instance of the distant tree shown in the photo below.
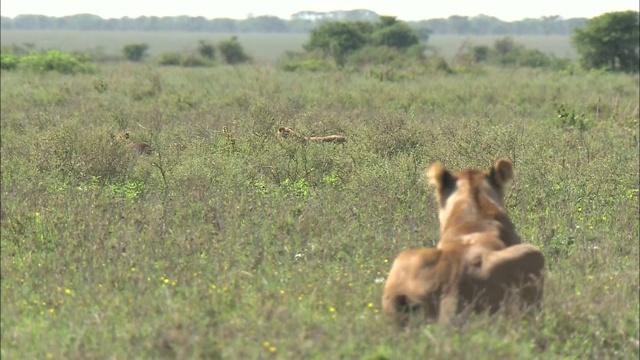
(423, 33)
(232, 51)
(610, 40)
(460, 24)
(504, 45)
(206, 49)
(551, 23)
(223, 25)
(135, 52)
(393, 33)
(264, 24)
(338, 39)
(300, 22)
(480, 53)
(341, 39)
(483, 24)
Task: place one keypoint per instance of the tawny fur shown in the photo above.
(287, 132)
(477, 262)
(471, 204)
(140, 147)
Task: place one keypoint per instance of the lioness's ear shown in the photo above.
(442, 180)
(439, 177)
(501, 172)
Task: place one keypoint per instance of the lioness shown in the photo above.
(471, 204)
(140, 148)
(286, 132)
(477, 262)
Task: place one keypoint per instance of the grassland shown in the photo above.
(232, 245)
(266, 48)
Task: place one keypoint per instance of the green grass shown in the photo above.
(266, 48)
(238, 246)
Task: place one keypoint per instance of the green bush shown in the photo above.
(506, 52)
(169, 59)
(371, 55)
(177, 59)
(9, 61)
(206, 50)
(232, 51)
(341, 40)
(194, 61)
(480, 53)
(569, 119)
(54, 60)
(80, 156)
(394, 34)
(135, 52)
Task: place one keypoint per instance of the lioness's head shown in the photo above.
(284, 132)
(122, 136)
(470, 194)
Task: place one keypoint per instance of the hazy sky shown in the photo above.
(507, 10)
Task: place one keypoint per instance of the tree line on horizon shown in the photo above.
(301, 22)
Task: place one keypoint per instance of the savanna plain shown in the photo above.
(225, 243)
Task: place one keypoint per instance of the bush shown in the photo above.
(232, 51)
(506, 52)
(177, 59)
(9, 61)
(480, 53)
(80, 156)
(169, 59)
(54, 60)
(194, 61)
(135, 52)
(534, 58)
(371, 55)
(206, 50)
(397, 35)
(303, 61)
(505, 45)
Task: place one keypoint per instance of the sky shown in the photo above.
(407, 10)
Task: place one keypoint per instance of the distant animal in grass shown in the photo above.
(138, 147)
(287, 132)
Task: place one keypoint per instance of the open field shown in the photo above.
(228, 244)
(265, 48)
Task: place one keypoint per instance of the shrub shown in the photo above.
(395, 34)
(169, 59)
(480, 53)
(505, 45)
(232, 51)
(569, 119)
(135, 52)
(177, 59)
(81, 156)
(9, 61)
(54, 60)
(206, 50)
(194, 61)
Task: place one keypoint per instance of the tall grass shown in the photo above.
(234, 245)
